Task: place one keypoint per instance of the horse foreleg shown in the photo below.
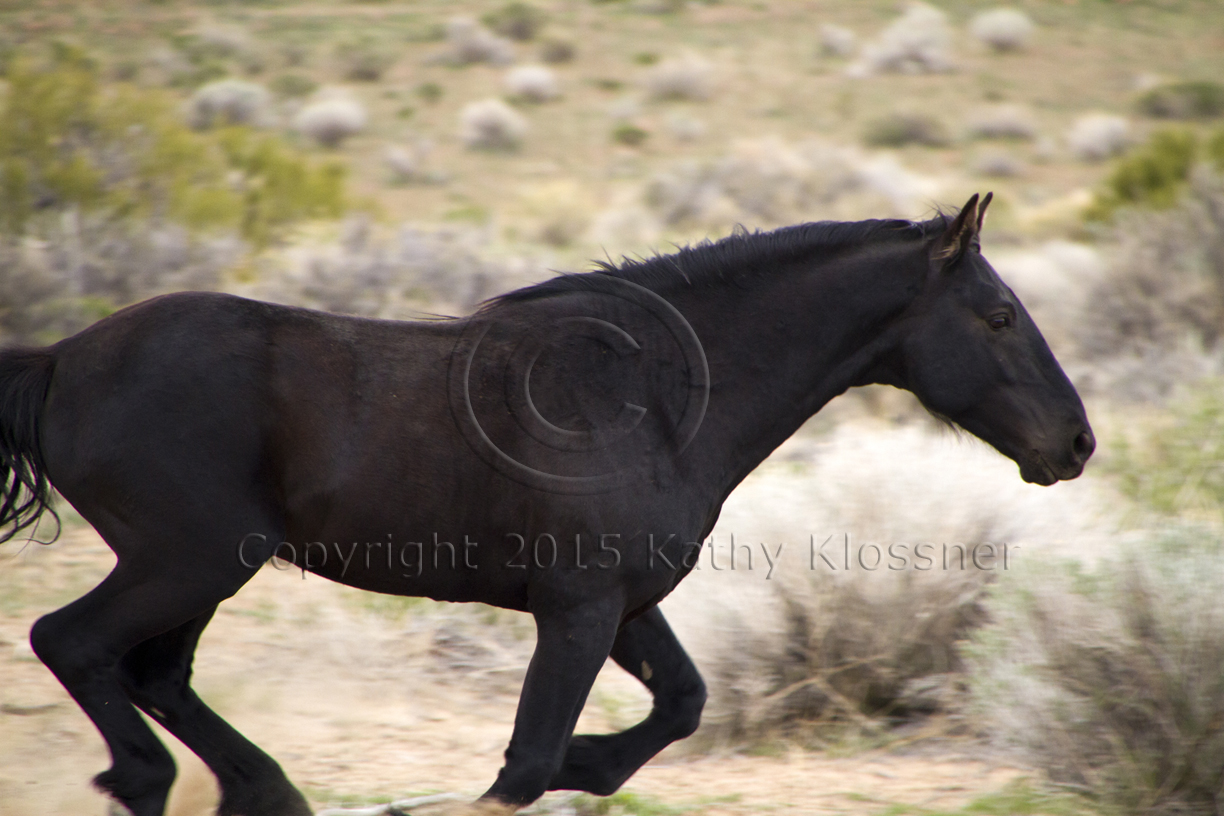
(571, 647)
(647, 649)
(156, 675)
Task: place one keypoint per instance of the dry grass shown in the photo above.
(1110, 679)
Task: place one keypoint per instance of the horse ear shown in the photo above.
(981, 219)
(961, 232)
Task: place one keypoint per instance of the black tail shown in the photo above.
(25, 490)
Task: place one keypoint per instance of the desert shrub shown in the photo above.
(1160, 308)
(629, 134)
(1178, 468)
(557, 49)
(468, 42)
(213, 42)
(518, 21)
(491, 124)
(1152, 175)
(407, 163)
(393, 278)
(1201, 99)
(430, 92)
(532, 83)
(1109, 679)
(207, 53)
(68, 145)
(915, 43)
(1002, 29)
(859, 622)
(1098, 136)
(294, 85)
(837, 41)
(772, 181)
(685, 128)
(330, 121)
(863, 652)
(229, 102)
(1006, 121)
(86, 266)
(364, 59)
(998, 165)
(900, 129)
(681, 78)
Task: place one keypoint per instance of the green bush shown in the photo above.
(629, 134)
(1109, 679)
(67, 144)
(294, 85)
(1180, 467)
(1184, 100)
(1152, 175)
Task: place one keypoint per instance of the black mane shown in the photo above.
(742, 254)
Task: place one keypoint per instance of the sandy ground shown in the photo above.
(358, 703)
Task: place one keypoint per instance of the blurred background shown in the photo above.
(404, 159)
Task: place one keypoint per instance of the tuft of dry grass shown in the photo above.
(1109, 679)
(229, 102)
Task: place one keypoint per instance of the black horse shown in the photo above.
(563, 451)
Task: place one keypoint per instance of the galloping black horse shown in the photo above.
(563, 451)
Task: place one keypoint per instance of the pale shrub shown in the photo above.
(229, 102)
(998, 165)
(1006, 121)
(837, 41)
(407, 163)
(814, 642)
(1003, 29)
(916, 43)
(491, 124)
(471, 42)
(390, 276)
(1158, 313)
(688, 77)
(84, 266)
(330, 121)
(1109, 679)
(1098, 136)
(532, 83)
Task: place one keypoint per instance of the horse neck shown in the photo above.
(779, 350)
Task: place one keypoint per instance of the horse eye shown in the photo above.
(1000, 321)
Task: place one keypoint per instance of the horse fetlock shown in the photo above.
(143, 791)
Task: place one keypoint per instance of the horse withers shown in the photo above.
(562, 451)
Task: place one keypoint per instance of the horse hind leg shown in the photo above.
(156, 675)
(154, 588)
(647, 649)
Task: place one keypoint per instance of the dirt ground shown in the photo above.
(360, 698)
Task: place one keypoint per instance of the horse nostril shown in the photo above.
(1084, 445)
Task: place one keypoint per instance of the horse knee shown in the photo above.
(684, 706)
